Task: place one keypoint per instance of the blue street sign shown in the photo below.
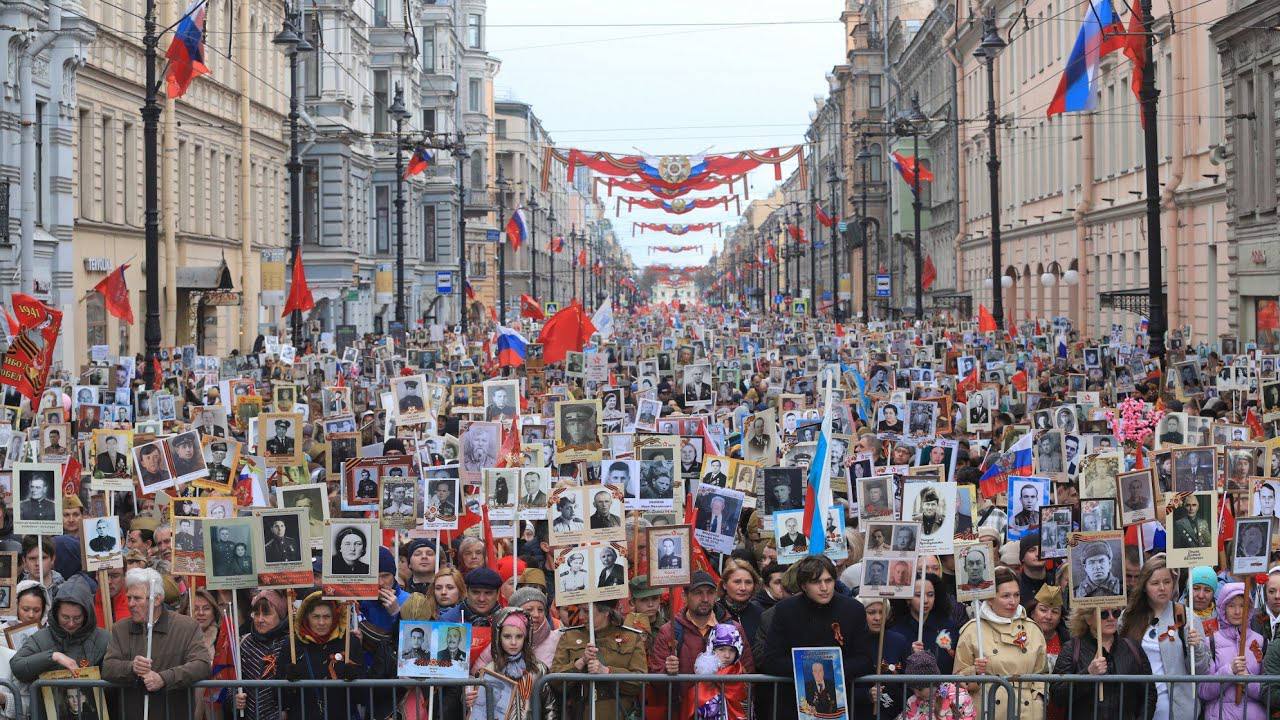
(883, 286)
(444, 282)
(492, 235)
(842, 225)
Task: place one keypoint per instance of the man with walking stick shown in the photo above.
(154, 650)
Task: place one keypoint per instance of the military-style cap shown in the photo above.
(640, 588)
(1093, 550)
(282, 423)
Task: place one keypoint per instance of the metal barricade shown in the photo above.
(14, 696)
(617, 696)
(1218, 697)
(364, 698)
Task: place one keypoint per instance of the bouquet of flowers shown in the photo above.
(1134, 421)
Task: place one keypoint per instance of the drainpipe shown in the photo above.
(1081, 217)
(1168, 202)
(27, 105)
(248, 331)
(957, 102)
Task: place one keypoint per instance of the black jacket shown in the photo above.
(1119, 700)
(799, 622)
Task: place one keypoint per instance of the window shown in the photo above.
(429, 233)
(873, 91)
(926, 188)
(124, 334)
(429, 120)
(876, 170)
(475, 36)
(379, 13)
(311, 203)
(473, 95)
(85, 152)
(477, 267)
(428, 49)
(1266, 155)
(500, 128)
(477, 171)
(311, 61)
(1246, 145)
(131, 176)
(381, 99)
(199, 186)
(382, 207)
(38, 178)
(95, 322)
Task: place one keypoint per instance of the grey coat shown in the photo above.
(88, 645)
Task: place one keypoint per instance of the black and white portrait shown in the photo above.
(350, 550)
(480, 446)
(501, 399)
(282, 538)
(39, 498)
(1252, 545)
(1097, 570)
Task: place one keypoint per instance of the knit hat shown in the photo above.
(483, 578)
(920, 663)
(275, 600)
(1204, 575)
(504, 567)
(1049, 596)
(386, 561)
(416, 543)
(527, 594)
(1009, 554)
(1028, 541)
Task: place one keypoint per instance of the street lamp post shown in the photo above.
(833, 179)
(863, 158)
(911, 124)
(573, 257)
(502, 245)
(534, 207)
(459, 151)
(551, 254)
(399, 114)
(150, 139)
(293, 43)
(988, 49)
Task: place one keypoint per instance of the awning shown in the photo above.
(216, 277)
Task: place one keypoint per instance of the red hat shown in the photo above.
(504, 567)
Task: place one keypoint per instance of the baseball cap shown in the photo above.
(700, 578)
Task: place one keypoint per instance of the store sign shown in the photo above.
(222, 298)
(97, 265)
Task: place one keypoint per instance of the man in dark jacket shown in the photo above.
(820, 617)
(70, 641)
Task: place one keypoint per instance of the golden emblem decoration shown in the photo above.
(674, 168)
(678, 205)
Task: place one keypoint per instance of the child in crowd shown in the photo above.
(711, 700)
(929, 701)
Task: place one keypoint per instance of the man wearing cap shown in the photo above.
(410, 400)
(684, 637)
(478, 607)
(1033, 573)
(420, 556)
(185, 458)
(579, 429)
(281, 443)
(1099, 581)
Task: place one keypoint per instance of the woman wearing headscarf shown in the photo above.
(207, 614)
(324, 652)
(514, 658)
(1223, 701)
(264, 651)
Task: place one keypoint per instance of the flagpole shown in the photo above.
(151, 193)
(1158, 318)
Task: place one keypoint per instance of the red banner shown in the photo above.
(26, 363)
(675, 229)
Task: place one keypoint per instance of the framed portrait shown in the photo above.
(1056, 526)
(624, 475)
(1049, 453)
(280, 439)
(1097, 569)
(504, 692)
(441, 504)
(875, 500)
(285, 539)
(1263, 499)
(975, 571)
(76, 702)
(501, 399)
(1137, 496)
(1097, 514)
(1251, 550)
(446, 647)
(1191, 529)
(112, 467)
(37, 499)
(819, 678)
(480, 443)
(1026, 495)
(186, 461)
(932, 505)
(783, 489)
(103, 544)
(221, 457)
(789, 537)
(151, 463)
(578, 431)
(531, 487)
(573, 581)
(401, 500)
(335, 400)
(284, 396)
(9, 568)
(647, 413)
(343, 447)
(55, 442)
(498, 486)
(312, 497)
(716, 517)
(978, 411)
(1098, 472)
(229, 554)
(408, 396)
(665, 448)
(188, 556)
(1194, 469)
(670, 563)
(657, 486)
(349, 568)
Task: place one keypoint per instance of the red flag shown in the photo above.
(772, 251)
(12, 322)
(157, 373)
(1255, 425)
(1013, 327)
(986, 323)
(470, 291)
(530, 308)
(27, 362)
(115, 294)
(1134, 48)
(796, 232)
(839, 330)
(300, 298)
(929, 273)
(1019, 380)
(967, 384)
(557, 243)
(826, 220)
(582, 258)
(569, 329)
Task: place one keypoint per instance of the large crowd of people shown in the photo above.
(698, 492)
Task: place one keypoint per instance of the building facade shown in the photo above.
(1249, 55)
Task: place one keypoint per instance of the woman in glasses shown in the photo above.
(1119, 656)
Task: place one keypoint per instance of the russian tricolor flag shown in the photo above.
(516, 229)
(512, 347)
(1100, 33)
(186, 52)
(420, 161)
(817, 498)
(1018, 461)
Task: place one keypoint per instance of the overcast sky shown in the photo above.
(653, 75)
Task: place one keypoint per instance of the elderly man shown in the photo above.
(179, 656)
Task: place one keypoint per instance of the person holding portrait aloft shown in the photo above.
(1011, 645)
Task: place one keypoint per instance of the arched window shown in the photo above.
(876, 170)
(477, 170)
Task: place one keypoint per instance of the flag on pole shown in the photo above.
(796, 232)
(557, 243)
(186, 52)
(986, 321)
(823, 218)
(530, 308)
(115, 294)
(516, 231)
(603, 319)
(908, 168)
(928, 273)
(419, 162)
(469, 291)
(1099, 36)
(300, 298)
(818, 499)
(1016, 462)
(569, 329)
(512, 348)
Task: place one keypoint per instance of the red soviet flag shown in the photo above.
(569, 329)
(299, 292)
(115, 294)
(986, 322)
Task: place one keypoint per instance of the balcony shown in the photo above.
(479, 203)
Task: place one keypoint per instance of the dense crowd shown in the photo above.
(986, 504)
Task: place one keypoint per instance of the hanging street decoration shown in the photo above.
(679, 206)
(672, 172)
(674, 248)
(676, 229)
(710, 183)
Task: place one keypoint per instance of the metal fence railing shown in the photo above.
(410, 699)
